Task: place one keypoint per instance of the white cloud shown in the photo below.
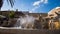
(37, 4)
(46, 1)
(40, 1)
(35, 8)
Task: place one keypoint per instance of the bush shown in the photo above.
(11, 14)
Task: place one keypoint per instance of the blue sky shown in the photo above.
(36, 6)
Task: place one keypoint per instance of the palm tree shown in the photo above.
(11, 2)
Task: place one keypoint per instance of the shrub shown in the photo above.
(11, 14)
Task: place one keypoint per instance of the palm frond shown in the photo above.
(11, 2)
(1, 3)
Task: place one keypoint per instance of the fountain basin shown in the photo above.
(14, 30)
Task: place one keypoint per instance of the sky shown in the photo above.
(33, 6)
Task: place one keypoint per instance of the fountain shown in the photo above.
(25, 22)
(24, 25)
